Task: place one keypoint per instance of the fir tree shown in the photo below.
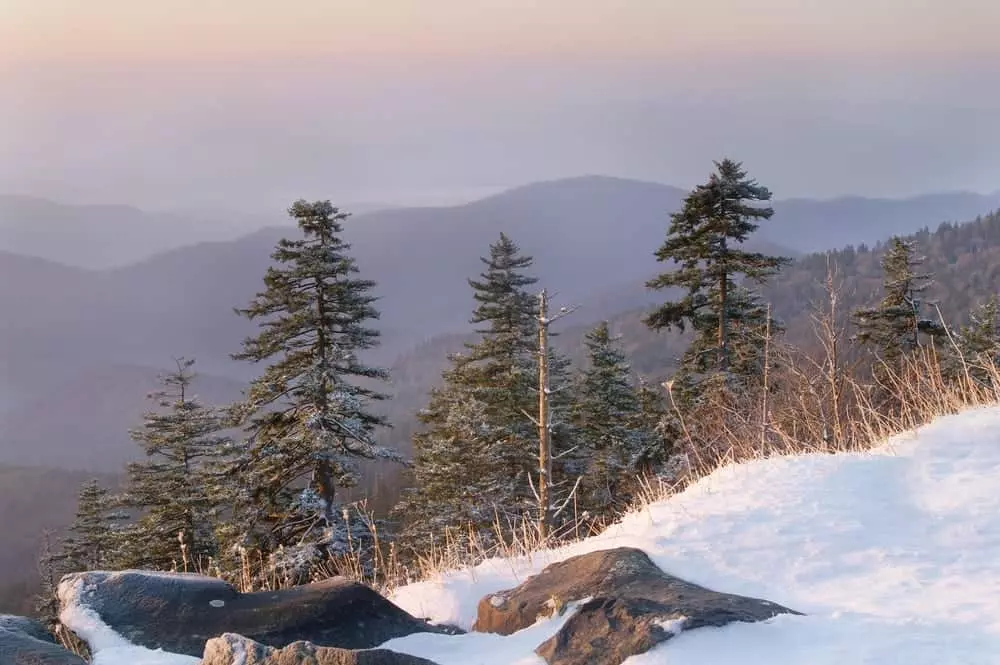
(896, 327)
(609, 426)
(704, 244)
(478, 444)
(309, 415)
(170, 490)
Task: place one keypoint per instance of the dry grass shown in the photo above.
(807, 412)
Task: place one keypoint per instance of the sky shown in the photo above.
(249, 104)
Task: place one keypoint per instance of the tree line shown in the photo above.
(513, 438)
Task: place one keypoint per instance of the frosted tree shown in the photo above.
(979, 342)
(477, 444)
(609, 425)
(170, 490)
(704, 244)
(309, 416)
(897, 326)
(93, 539)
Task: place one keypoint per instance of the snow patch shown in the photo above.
(891, 554)
(672, 626)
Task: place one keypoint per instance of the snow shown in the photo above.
(891, 554)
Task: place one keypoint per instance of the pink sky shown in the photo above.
(64, 29)
(177, 102)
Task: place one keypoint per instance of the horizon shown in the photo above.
(461, 197)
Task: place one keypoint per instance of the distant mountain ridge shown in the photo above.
(592, 237)
(115, 235)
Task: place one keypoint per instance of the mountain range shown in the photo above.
(80, 340)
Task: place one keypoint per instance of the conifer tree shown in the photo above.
(309, 416)
(979, 341)
(478, 444)
(93, 539)
(654, 417)
(704, 243)
(608, 425)
(170, 491)
(896, 326)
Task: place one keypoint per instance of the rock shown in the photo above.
(179, 613)
(26, 642)
(232, 649)
(26, 626)
(632, 607)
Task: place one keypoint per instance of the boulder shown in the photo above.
(26, 626)
(631, 606)
(232, 649)
(179, 613)
(26, 642)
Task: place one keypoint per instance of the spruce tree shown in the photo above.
(609, 426)
(309, 415)
(704, 244)
(93, 540)
(896, 327)
(170, 491)
(654, 417)
(478, 443)
(979, 341)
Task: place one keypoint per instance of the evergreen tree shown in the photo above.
(895, 327)
(478, 444)
(609, 426)
(93, 540)
(979, 341)
(655, 417)
(170, 491)
(704, 244)
(309, 415)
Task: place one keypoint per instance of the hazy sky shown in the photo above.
(240, 104)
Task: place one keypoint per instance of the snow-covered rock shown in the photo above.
(179, 613)
(630, 607)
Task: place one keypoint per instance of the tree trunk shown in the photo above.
(723, 317)
(544, 438)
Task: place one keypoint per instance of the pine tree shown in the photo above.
(478, 444)
(309, 415)
(895, 327)
(609, 426)
(704, 244)
(170, 490)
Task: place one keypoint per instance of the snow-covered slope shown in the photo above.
(894, 556)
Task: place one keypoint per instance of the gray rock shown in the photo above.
(633, 607)
(26, 626)
(181, 612)
(232, 649)
(26, 642)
